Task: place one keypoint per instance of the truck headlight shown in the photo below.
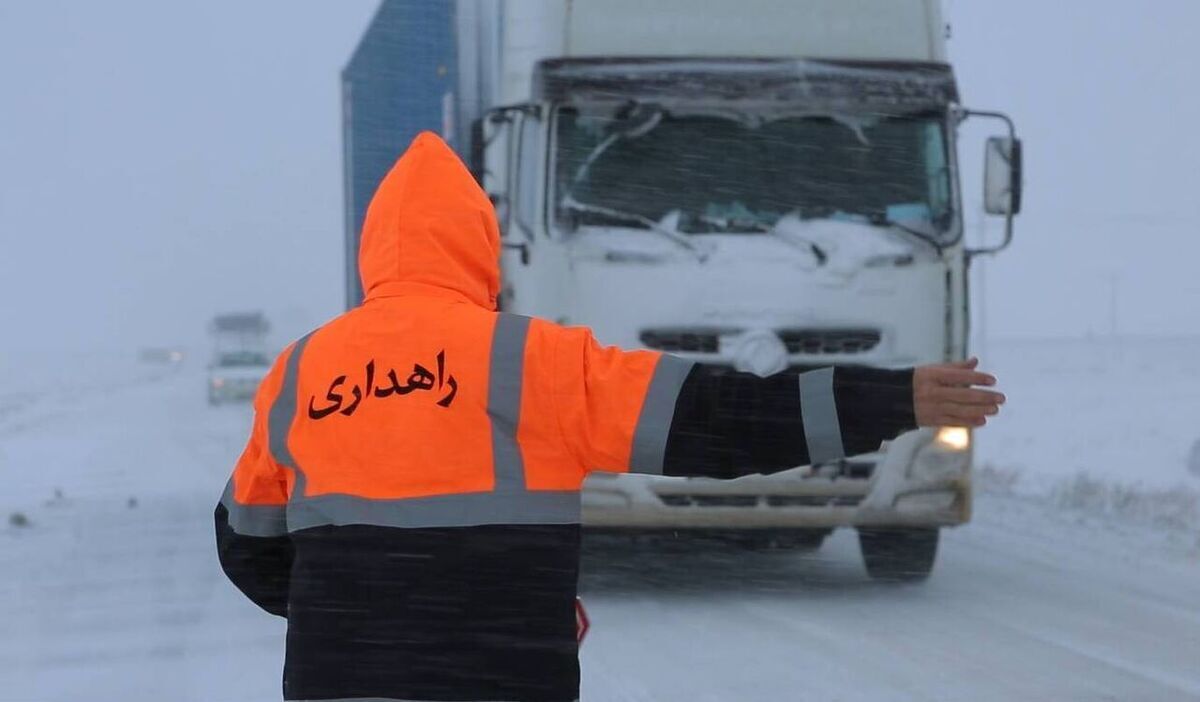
(953, 438)
(947, 457)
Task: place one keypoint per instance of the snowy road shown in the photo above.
(1022, 607)
(104, 599)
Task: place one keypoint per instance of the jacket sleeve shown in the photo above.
(600, 398)
(728, 424)
(252, 540)
(646, 412)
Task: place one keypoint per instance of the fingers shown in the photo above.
(953, 394)
(961, 415)
(949, 375)
(967, 396)
(949, 420)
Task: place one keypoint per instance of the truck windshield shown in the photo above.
(727, 172)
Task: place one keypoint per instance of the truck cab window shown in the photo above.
(936, 168)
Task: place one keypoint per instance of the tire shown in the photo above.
(898, 555)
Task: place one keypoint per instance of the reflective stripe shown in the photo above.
(818, 409)
(658, 410)
(254, 520)
(467, 509)
(283, 409)
(504, 401)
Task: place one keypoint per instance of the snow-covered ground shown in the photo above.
(1123, 410)
(1062, 588)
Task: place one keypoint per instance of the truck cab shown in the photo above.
(762, 186)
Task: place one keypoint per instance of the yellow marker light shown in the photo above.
(954, 438)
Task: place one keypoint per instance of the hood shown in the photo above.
(430, 229)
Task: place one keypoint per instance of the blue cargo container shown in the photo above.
(401, 80)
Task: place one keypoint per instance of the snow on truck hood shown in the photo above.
(847, 246)
(871, 279)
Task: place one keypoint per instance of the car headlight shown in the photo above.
(218, 382)
(953, 438)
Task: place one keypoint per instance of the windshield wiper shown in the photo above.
(631, 129)
(799, 242)
(682, 240)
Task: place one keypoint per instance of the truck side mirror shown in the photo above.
(1002, 176)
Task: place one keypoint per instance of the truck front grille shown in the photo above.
(682, 340)
(829, 341)
(798, 341)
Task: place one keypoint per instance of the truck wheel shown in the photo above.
(898, 555)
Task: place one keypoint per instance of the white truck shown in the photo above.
(239, 356)
(757, 184)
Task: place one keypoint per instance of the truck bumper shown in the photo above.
(911, 483)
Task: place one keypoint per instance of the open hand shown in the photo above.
(944, 394)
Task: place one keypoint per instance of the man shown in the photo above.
(409, 498)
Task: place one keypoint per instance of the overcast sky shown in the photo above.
(160, 162)
(1101, 92)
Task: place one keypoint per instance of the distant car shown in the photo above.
(234, 376)
(162, 356)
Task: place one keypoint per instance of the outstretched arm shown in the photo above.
(729, 424)
(645, 412)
